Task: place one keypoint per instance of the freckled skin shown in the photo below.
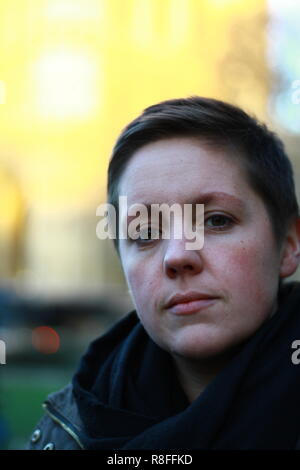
(239, 266)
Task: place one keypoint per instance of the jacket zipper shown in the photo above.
(58, 419)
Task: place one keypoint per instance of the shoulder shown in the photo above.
(60, 427)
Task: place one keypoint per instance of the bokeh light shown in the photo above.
(66, 85)
(45, 340)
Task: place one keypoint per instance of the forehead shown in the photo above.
(178, 170)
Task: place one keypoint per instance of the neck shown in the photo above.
(194, 375)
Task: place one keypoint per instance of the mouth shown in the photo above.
(189, 303)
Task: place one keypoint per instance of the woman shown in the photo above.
(205, 360)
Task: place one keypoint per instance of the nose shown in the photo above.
(179, 261)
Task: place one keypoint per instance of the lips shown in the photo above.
(188, 303)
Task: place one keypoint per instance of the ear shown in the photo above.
(290, 251)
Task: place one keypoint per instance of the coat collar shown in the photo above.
(62, 408)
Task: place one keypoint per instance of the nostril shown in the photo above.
(178, 261)
(173, 270)
(189, 267)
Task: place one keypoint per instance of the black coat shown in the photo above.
(61, 426)
(126, 395)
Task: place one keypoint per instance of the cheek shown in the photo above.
(250, 270)
(142, 279)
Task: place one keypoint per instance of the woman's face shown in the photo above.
(225, 290)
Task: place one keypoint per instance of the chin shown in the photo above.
(192, 353)
(196, 347)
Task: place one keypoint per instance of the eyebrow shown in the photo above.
(206, 198)
(217, 196)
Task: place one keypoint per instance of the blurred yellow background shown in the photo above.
(73, 73)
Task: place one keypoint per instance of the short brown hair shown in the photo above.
(268, 168)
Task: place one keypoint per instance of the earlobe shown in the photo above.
(290, 257)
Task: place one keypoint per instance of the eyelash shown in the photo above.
(230, 222)
(223, 216)
(145, 241)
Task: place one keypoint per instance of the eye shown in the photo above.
(219, 222)
(147, 235)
